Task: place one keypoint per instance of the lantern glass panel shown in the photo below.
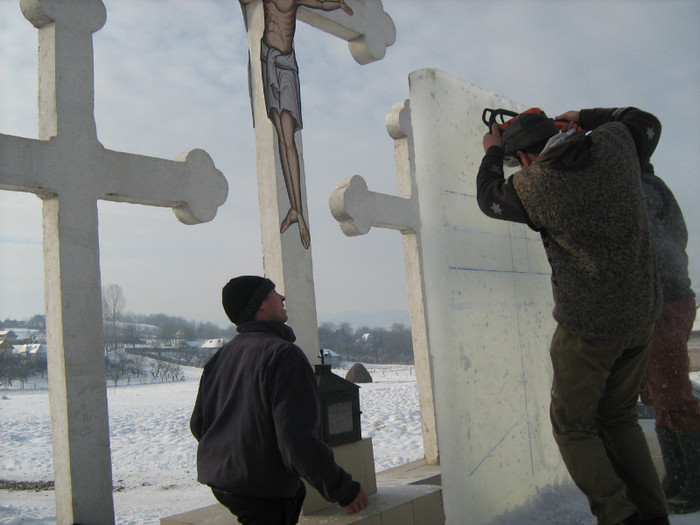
(340, 419)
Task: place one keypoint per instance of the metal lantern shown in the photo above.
(340, 407)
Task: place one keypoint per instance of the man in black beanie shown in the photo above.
(257, 416)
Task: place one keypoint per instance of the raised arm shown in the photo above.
(326, 5)
(496, 195)
(644, 127)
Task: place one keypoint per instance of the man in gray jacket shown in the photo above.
(581, 190)
(257, 416)
(666, 386)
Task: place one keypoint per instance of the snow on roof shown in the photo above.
(214, 343)
(31, 349)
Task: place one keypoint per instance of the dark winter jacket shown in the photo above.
(257, 416)
(584, 196)
(670, 236)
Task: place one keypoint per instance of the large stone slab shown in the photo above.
(488, 309)
(479, 298)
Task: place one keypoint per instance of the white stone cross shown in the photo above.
(70, 170)
(369, 30)
(358, 210)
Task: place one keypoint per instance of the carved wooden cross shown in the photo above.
(287, 261)
(70, 170)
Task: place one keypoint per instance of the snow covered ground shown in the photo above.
(153, 453)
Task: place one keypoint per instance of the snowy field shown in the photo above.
(153, 452)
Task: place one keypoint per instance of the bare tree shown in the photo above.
(113, 303)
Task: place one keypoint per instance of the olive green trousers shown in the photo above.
(594, 418)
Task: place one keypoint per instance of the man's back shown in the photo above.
(257, 417)
(238, 449)
(594, 227)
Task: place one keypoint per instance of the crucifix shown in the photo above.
(70, 170)
(275, 97)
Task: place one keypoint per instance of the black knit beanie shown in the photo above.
(243, 296)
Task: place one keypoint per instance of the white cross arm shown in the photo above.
(191, 185)
(357, 209)
(89, 14)
(19, 168)
(368, 31)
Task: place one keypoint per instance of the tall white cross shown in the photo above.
(369, 30)
(358, 210)
(70, 170)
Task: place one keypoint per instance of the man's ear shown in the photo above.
(525, 159)
(261, 314)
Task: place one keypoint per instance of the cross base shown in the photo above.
(409, 494)
(357, 458)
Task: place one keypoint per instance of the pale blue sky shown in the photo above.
(171, 76)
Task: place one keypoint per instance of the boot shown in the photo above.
(688, 500)
(672, 455)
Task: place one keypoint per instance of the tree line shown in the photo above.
(374, 345)
(121, 328)
(369, 345)
(18, 370)
(35, 322)
(123, 336)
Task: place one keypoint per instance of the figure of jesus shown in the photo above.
(283, 94)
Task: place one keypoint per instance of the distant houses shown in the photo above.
(36, 349)
(9, 336)
(22, 341)
(330, 357)
(213, 344)
(5, 347)
(17, 336)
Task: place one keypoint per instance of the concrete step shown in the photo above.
(396, 505)
(406, 495)
(414, 473)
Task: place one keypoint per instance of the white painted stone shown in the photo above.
(357, 210)
(352, 199)
(356, 457)
(70, 170)
(369, 31)
(480, 302)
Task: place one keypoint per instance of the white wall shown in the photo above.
(488, 310)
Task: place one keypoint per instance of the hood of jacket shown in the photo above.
(572, 152)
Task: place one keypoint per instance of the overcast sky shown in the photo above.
(171, 76)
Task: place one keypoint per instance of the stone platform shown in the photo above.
(406, 495)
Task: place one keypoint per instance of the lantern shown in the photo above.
(340, 407)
